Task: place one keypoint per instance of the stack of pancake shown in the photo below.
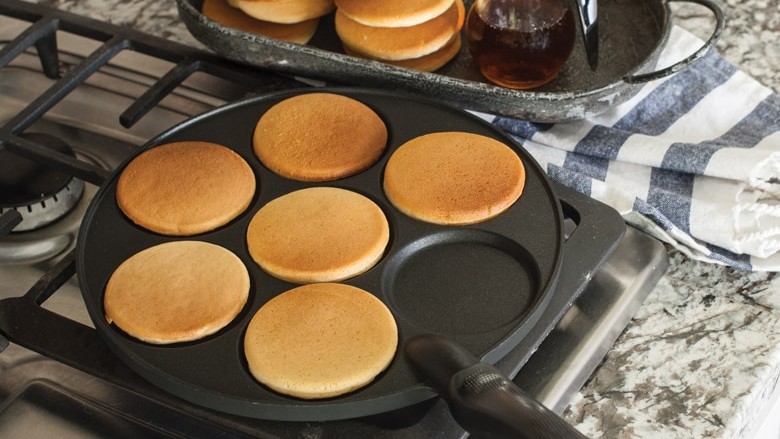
(289, 20)
(417, 34)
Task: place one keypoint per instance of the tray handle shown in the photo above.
(720, 23)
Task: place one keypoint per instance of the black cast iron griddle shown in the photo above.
(482, 286)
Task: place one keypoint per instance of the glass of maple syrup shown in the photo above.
(520, 44)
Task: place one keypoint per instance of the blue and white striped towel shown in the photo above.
(693, 159)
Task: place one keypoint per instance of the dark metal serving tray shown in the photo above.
(484, 286)
(632, 34)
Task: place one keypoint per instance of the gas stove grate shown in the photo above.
(9, 220)
(42, 34)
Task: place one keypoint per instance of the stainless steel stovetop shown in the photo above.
(42, 397)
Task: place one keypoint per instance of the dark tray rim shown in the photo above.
(537, 106)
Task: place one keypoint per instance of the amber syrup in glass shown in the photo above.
(520, 44)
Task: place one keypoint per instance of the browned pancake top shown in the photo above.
(319, 137)
(285, 11)
(396, 43)
(392, 13)
(177, 291)
(318, 234)
(226, 15)
(453, 178)
(320, 340)
(426, 63)
(185, 188)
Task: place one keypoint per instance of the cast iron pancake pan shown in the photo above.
(483, 286)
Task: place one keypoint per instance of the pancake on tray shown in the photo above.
(285, 11)
(319, 234)
(320, 340)
(225, 14)
(176, 292)
(426, 63)
(398, 43)
(319, 137)
(453, 178)
(392, 13)
(185, 188)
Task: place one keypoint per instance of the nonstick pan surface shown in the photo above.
(483, 286)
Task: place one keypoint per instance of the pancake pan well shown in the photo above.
(482, 285)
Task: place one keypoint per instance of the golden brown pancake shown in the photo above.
(397, 43)
(320, 340)
(319, 234)
(175, 292)
(225, 14)
(285, 11)
(426, 63)
(453, 178)
(319, 137)
(392, 13)
(185, 188)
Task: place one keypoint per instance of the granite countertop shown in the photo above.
(701, 358)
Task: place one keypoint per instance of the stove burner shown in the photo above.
(40, 194)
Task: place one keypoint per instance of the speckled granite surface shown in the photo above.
(699, 359)
(702, 355)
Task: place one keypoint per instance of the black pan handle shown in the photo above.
(481, 398)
